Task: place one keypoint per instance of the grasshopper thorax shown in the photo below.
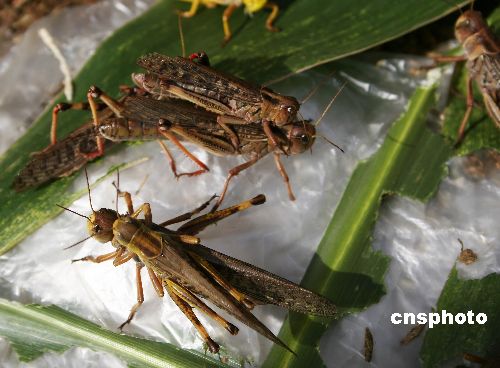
(469, 23)
(100, 224)
(301, 136)
(279, 109)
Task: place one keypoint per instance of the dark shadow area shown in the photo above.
(429, 37)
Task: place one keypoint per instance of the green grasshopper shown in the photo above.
(188, 271)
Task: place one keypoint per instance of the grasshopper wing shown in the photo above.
(265, 287)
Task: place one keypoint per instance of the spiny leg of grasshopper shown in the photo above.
(233, 172)
(63, 106)
(186, 300)
(199, 223)
(188, 312)
(174, 140)
(186, 216)
(117, 108)
(236, 170)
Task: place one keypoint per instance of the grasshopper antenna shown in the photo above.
(329, 141)
(88, 189)
(315, 89)
(330, 104)
(181, 35)
(76, 213)
(78, 242)
(454, 5)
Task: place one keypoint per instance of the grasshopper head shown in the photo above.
(301, 136)
(468, 23)
(147, 82)
(100, 224)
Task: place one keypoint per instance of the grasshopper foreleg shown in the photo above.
(284, 175)
(122, 258)
(101, 258)
(266, 125)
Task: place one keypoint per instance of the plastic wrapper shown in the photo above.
(280, 236)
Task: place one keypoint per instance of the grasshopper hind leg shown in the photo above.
(188, 312)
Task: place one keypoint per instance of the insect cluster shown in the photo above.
(181, 99)
(184, 99)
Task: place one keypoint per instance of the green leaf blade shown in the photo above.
(399, 166)
(446, 342)
(34, 330)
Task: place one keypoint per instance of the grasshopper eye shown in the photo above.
(96, 228)
(304, 139)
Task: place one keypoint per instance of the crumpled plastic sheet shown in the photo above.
(279, 236)
(30, 74)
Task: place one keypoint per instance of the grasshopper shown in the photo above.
(137, 117)
(178, 263)
(251, 6)
(235, 100)
(59, 159)
(62, 158)
(482, 54)
(201, 128)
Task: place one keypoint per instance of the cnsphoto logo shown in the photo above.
(443, 318)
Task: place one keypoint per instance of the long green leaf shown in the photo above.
(313, 32)
(345, 268)
(35, 329)
(450, 341)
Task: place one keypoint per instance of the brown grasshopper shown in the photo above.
(201, 128)
(178, 263)
(235, 100)
(482, 53)
(58, 160)
(62, 158)
(136, 117)
(251, 6)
